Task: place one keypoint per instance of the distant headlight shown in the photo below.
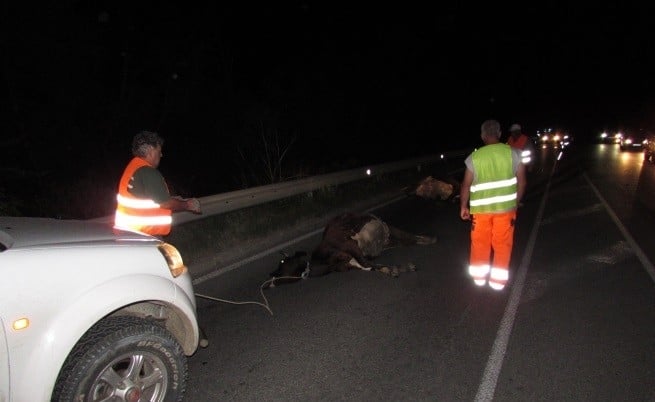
(173, 259)
(628, 141)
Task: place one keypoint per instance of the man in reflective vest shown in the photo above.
(523, 143)
(493, 184)
(144, 203)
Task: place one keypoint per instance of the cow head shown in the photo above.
(290, 268)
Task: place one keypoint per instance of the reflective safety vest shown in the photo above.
(140, 214)
(520, 143)
(494, 187)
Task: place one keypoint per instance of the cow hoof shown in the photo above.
(394, 272)
(411, 267)
(385, 270)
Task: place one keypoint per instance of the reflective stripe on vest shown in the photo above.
(520, 143)
(141, 214)
(495, 184)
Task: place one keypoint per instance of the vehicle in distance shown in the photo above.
(606, 138)
(632, 142)
(91, 313)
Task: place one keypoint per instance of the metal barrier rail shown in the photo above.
(230, 201)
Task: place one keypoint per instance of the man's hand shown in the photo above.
(193, 205)
(464, 194)
(177, 203)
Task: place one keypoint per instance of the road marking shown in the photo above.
(628, 237)
(487, 386)
(489, 381)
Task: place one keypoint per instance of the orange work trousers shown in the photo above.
(492, 239)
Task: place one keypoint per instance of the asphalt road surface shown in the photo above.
(575, 323)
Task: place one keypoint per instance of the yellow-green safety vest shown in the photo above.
(494, 187)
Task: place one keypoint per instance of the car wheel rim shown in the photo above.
(131, 377)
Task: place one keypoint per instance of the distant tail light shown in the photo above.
(173, 259)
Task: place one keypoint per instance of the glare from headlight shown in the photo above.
(173, 259)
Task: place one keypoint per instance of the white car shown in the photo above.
(89, 313)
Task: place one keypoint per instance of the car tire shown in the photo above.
(102, 364)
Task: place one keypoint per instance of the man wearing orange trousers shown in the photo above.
(493, 185)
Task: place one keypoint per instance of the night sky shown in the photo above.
(337, 86)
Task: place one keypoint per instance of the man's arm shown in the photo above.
(155, 188)
(521, 182)
(182, 204)
(464, 194)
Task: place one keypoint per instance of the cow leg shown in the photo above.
(395, 271)
(355, 264)
(351, 257)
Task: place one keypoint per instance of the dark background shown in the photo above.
(337, 86)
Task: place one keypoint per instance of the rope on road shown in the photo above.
(261, 291)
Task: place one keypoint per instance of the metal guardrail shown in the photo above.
(230, 201)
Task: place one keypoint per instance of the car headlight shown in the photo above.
(173, 259)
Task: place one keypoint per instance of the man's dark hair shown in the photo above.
(143, 140)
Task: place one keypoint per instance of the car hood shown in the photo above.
(19, 232)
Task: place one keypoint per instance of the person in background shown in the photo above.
(144, 203)
(493, 185)
(523, 143)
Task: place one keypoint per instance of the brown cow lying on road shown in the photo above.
(350, 241)
(436, 189)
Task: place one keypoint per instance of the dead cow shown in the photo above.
(435, 189)
(350, 241)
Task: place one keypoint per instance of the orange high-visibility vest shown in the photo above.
(140, 214)
(521, 143)
(518, 143)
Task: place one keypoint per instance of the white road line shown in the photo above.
(487, 386)
(628, 237)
